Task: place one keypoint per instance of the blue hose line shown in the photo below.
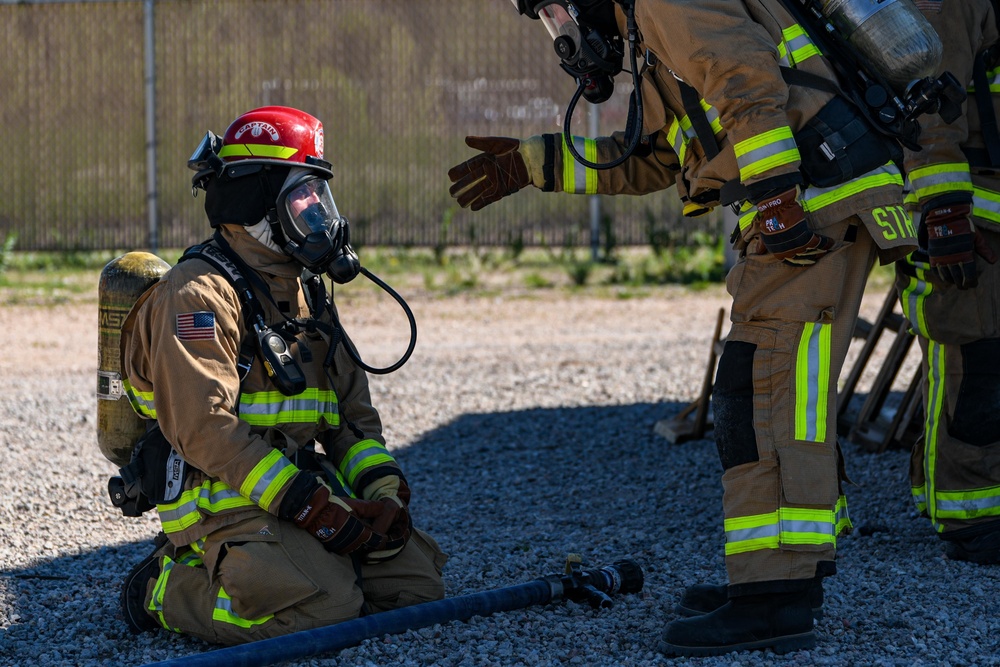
(349, 633)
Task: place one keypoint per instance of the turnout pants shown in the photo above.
(263, 578)
(774, 406)
(955, 465)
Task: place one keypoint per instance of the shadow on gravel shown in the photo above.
(507, 495)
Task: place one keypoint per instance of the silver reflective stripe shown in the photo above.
(224, 603)
(746, 534)
(266, 479)
(374, 449)
(919, 288)
(814, 362)
(203, 493)
(925, 180)
(298, 404)
(935, 394)
(800, 526)
(967, 505)
(986, 205)
(763, 153)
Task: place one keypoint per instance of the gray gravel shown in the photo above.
(526, 426)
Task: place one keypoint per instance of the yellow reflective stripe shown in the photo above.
(159, 589)
(919, 494)
(198, 546)
(362, 456)
(986, 205)
(224, 613)
(190, 559)
(935, 373)
(843, 519)
(578, 178)
(968, 504)
(766, 151)
(270, 408)
(786, 525)
(141, 401)
(993, 76)
(751, 533)
(208, 498)
(257, 150)
(747, 214)
(783, 60)
(590, 175)
(914, 297)
(681, 131)
(267, 478)
(797, 45)
(712, 115)
(815, 198)
(812, 382)
(936, 179)
(678, 140)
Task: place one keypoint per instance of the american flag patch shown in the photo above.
(196, 326)
(928, 6)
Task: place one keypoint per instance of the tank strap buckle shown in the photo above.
(109, 385)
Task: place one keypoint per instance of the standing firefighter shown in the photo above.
(281, 507)
(736, 104)
(952, 297)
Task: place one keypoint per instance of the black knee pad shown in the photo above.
(977, 408)
(732, 405)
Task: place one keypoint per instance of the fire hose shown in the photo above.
(594, 587)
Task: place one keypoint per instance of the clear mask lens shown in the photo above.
(310, 207)
(559, 22)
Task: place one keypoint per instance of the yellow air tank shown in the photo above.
(123, 279)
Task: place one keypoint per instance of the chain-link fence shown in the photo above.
(398, 84)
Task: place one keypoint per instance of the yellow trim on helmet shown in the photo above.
(257, 150)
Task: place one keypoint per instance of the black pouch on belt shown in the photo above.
(838, 144)
(159, 469)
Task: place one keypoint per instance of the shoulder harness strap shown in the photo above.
(224, 264)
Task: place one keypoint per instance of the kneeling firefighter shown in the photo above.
(738, 103)
(281, 507)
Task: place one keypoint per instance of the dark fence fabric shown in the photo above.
(398, 84)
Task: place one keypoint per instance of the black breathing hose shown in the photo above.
(349, 345)
(636, 120)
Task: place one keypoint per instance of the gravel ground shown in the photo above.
(525, 423)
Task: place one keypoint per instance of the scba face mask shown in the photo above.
(316, 235)
(586, 41)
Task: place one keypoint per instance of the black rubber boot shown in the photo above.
(133, 597)
(976, 544)
(705, 598)
(781, 622)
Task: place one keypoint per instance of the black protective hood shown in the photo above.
(243, 201)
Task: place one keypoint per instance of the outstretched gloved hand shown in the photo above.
(500, 170)
(786, 233)
(953, 243)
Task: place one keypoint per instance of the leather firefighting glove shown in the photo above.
(505, 166)
(393, 491)
(343, 525)
(785, 231)
(953, 243)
